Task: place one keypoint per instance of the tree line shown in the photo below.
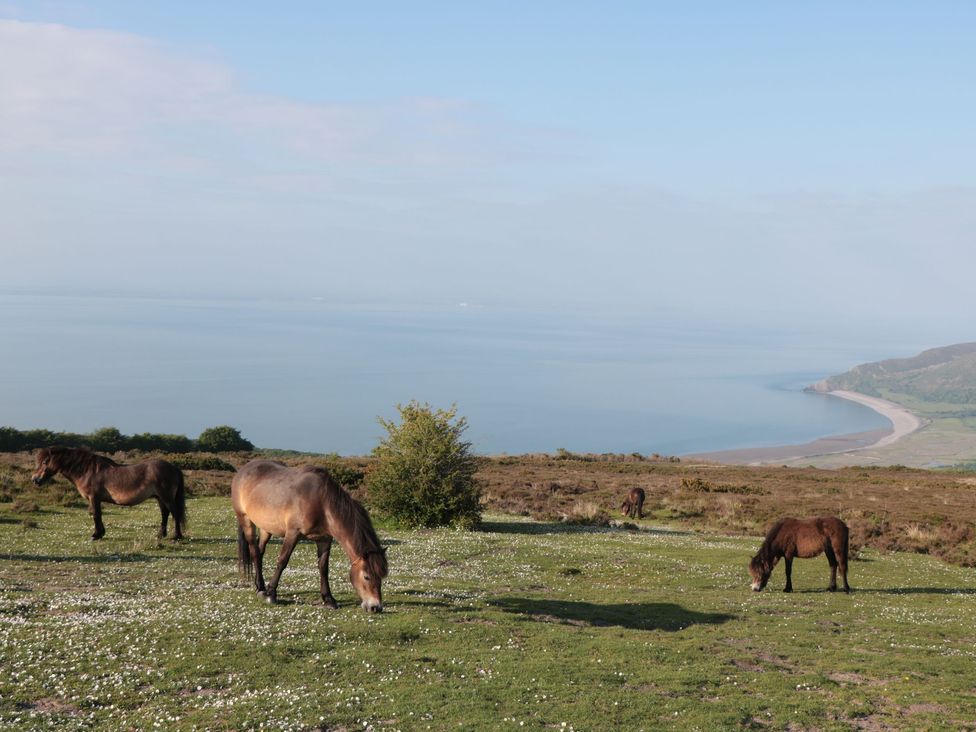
(222, 438)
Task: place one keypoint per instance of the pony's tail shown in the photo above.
(179, 504)
(243, 553)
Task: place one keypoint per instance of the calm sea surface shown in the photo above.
(311, 375)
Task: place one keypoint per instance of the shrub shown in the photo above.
(424, 475)
(107, 439)
(222, 439)
(200, 462)
(346, 472)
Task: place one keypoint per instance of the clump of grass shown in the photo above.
(25, 505)
(698, 485)
(29, 523)
(587, 513)
(920, 534)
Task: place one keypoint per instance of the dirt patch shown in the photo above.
(847, 678)
(52, 705)
(924, 709)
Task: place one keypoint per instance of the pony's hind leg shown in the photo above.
(832, 560)
(287, 547)
(842, 550)
(322, 549)
(788, 565)
(164, 513)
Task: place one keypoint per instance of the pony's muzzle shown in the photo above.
(373, 607)
(756, 587)
(37, 479)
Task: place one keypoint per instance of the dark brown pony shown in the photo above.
(633, 506)
(307, 503)
(803, 538)
(101, 479)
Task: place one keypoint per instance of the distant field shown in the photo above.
(944, 441)
(524, 625)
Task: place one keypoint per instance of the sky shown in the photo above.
(761, 162)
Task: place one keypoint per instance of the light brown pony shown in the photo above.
(633, 506)
(298, 503)
(803, 538)
(101, 479)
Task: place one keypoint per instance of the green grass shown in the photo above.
(521, 626)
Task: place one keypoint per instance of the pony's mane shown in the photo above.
(79, 460)
(349, 511)
(771, 534)
(765, 554)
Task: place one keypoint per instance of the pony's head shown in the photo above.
(759, 570)
(366, 575)
(46, 464)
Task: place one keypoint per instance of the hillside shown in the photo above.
(939, 382)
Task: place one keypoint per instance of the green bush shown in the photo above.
(222, 439)
(424, 475)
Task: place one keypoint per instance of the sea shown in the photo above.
(315, 375)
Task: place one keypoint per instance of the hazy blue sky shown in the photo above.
(759, 161)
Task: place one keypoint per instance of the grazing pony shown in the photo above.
(99, 479)
(298, 503)
(803, 538)
(633, 505)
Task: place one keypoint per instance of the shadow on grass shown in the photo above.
(918, 590)
(636, 616)
(97, 558)
(538, 527)
(110, 558)
(212, 540)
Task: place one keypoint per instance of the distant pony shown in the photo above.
(803, 538)
(101, 479)
(633, 506)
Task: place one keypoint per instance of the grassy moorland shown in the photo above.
(524, 624)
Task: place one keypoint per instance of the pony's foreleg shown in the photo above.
(640, 508)
(287, 547)
(95, 509)
(323, 548)
(260, 544)
(788, 562)
(164, 513)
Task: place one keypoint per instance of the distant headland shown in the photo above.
(930, 400)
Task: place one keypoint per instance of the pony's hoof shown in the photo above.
(271, 599)
(330, 603)
(96, 537)
(787, 589)
(831, 589)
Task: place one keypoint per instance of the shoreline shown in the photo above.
(903, 422)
